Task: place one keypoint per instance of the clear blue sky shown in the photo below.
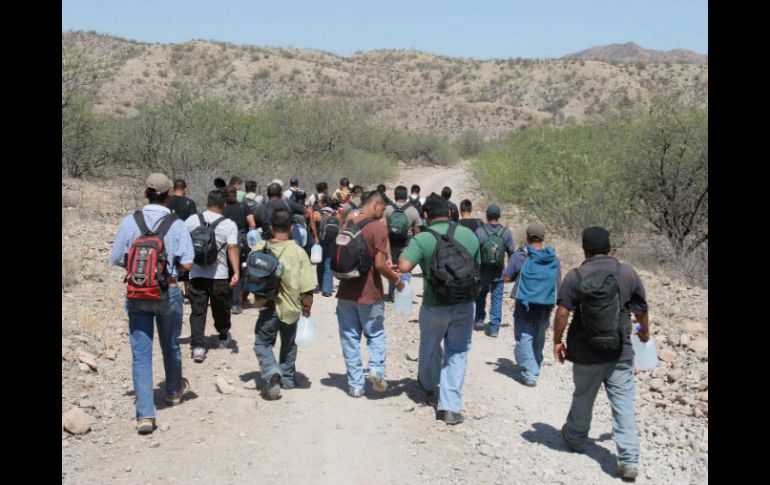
(479, 29)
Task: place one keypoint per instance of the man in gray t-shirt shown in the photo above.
(592, 368)
(213, 282)
(397, 245)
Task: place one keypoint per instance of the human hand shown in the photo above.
(559, 352)
(234, 280)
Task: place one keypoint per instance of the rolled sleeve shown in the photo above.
(413, 252)
(232, 234)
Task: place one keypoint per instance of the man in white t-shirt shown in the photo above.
(293, 187)
(213, 282)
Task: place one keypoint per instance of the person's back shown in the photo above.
(472, 223)
(180, 204)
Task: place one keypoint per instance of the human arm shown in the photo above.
(234, 255)
(251, 221)
(559, 325)
(383, 267)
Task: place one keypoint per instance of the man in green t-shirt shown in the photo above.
(294, 297)
(452, 324)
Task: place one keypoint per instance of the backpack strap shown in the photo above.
(139, 218)
(364, 222)
(166, 222)
(214, 224)
(201, 219)
(486, 230)
(450, 233)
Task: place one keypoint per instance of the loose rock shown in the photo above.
(76, 421)
(223, 386)
(699, 344)
(656, 384)
(666, 355)
(87, 358)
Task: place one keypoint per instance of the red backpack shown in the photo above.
(147, 263)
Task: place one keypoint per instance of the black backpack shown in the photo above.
(350, 254)
(329, 228)
(600, 309)
(267, 232)
(204, 241)
(454, 273)
(262, 276)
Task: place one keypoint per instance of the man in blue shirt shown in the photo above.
(166, 312)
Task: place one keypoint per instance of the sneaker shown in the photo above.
(378, 383)
(572, 445)
(199, 354)
(177, 398)
(145, 426)
(490, 333)
(628, 472)
(354, 392)
(326, 294)
(525, 382)
(478, 324)
(225, 343)
(449, 417)
(272, 391)
(235, 310)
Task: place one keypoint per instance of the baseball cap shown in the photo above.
(158, 182)
(294, 180)
(536, 229)
(493, 211)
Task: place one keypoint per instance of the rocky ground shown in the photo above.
(225, 433)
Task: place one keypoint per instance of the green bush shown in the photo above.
(470, 144)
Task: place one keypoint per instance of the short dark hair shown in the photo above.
(180, 184)
(535, 238)
(231, 194)
(220, 183)
(274, 190)
(400, 193)
(321, 186)
(235, 180)
(281, 220)
(327, 201)
(216, 199)
(372, 196)
(345, 182)
(358, 190)
(415, 188)
(381, 188)
(446, 193)
(299, 196)
(251, 186)
(436, 206)
(156, 197)
(466, 206)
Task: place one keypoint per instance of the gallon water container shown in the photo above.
(253, 238)
(303, 234)
(508, 289)
(645, 353)
(403, 298)
(316, 254)
(305, 331)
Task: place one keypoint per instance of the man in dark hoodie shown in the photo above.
(537, 273)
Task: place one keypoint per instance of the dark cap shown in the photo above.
(493, 211)
(536, 230)
(294, 180)
(596, 240)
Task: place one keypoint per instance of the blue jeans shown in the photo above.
(265, 333)
(618, 379)
(167, 314)
(490, 284)
(452, 325)
(529, 331)
(324, 271)
(355, 319)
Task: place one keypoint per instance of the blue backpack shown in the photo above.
(538, 278)
(262, 273)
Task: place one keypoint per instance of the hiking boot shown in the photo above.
(628, 472)
(199, 354)
(378, 383)
(572, 445)
(145, 426)
(177, 398)
(490, 333)
(272, 391)
(430, 397)
(354, 392)
(235, 310)
(449, 417)
(478, 325)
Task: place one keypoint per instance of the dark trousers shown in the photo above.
(266, 331)
(201, 291)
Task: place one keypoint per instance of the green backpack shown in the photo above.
(398, 223)
(493, 250)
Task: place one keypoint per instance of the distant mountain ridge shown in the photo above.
(631, 52)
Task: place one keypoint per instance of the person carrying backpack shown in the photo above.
(236, 212)
(275, 201)
(449, 256)
(417, 201)
(327, 227)
(602, 292)
(496, 241)
(454, 214)
(466, 211)
(183, 207)
(359, 260)
(354, 204)
(537, 272)
(154, 294)
(215, 239)
(403, 222)
(292, 296)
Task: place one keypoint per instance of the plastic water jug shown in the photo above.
(305, 331)
(508, 289)
(253, 238)
(316, 254)
(303, 235)
(403, 298)
(645, 353)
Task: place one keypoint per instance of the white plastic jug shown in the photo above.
(305, 331)
(303, 235)
(645, 353)
(508, 289)
(403, 298)
(316, 254)
(253, 237)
